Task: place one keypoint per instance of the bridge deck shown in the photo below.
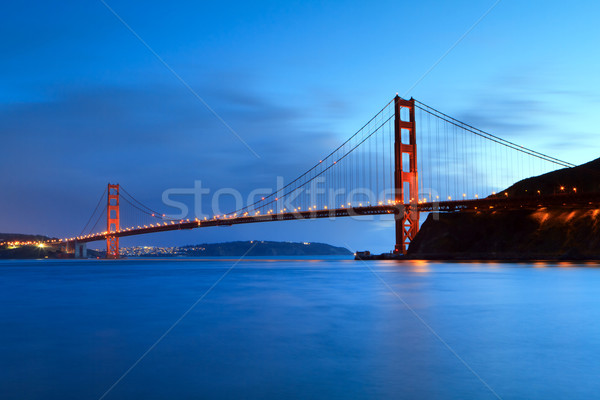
(591, 200)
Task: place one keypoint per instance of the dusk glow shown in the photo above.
(299, 200)
(86, 102)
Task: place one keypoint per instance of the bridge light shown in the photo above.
(41, 245)
(575, 190)
(562, 188)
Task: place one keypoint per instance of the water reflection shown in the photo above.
(298, 328)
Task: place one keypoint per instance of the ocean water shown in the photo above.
(297, 328)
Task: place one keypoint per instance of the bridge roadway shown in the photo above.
(588, 200)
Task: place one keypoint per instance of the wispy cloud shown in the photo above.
(181, 80)
(150, 137)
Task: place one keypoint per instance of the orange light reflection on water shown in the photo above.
(564, 264)
(418, 266)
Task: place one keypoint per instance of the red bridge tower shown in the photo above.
(406, 182)
(112, 222)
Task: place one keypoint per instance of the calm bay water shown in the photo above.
(298, 328)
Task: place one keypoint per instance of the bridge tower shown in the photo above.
(406, 182)
(112, 222)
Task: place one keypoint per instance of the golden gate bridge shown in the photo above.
(407, 159)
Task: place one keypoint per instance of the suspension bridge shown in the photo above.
(407, 159)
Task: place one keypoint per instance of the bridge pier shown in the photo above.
(406, 182)
(80, 250)
(69, 247)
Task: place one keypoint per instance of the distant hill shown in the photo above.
(265, 248)
(11, 237)
(227, 249)
(240, 248)
(546, 233)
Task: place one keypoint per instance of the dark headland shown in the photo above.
(556, 233)
(24, 246)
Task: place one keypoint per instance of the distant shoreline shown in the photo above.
(252, 248)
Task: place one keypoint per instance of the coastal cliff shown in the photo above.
(522, 234)
(544, 233)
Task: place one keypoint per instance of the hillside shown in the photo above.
(12, 237)
(584, 178)
(238, 249)
(548, 233)
(25, 251)
(29, 252)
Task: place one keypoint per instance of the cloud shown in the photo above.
(506, 116)
(148, 138)
(531, 110)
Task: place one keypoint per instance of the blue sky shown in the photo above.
(84, 102)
